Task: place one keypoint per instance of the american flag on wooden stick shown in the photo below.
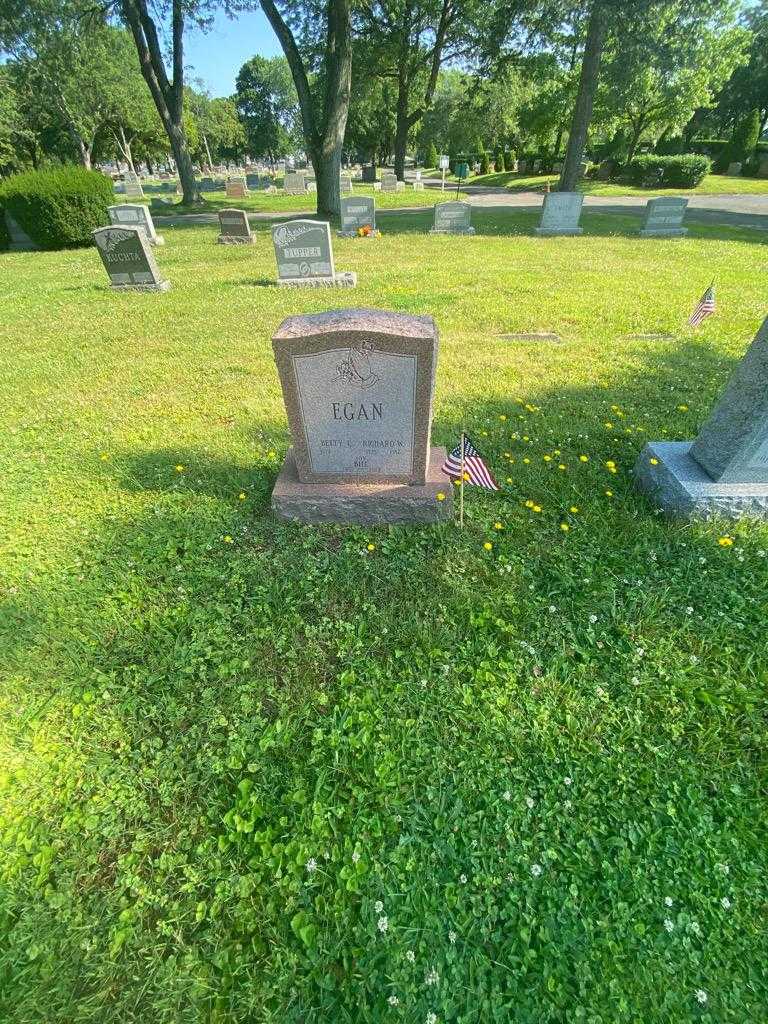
(704, 308)
(475, 470)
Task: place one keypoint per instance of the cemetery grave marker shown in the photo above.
(390, 183)
(358, 387)
(345, 183)
(560, 214)
(236, 189)
(664, 216)
(19, 239)
(452, 219)
(132, 187)
(234, 228)
(357, 212)
(294, 184)
(734, 169)
(762, 171)
(137, 216)
(128, 259)
(207, 185)
(305, 256)
(725, 470)
(252, 181)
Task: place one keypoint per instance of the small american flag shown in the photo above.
(704, 308)
(475, 469)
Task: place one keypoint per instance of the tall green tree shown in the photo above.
(316, 38)
(747, 88)
(268, 107)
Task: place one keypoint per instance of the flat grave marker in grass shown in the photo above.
(234, 228)
(135, 215)
(725, 470)
(358, 387)
(304, 256)
(664, 216)
(452, 218)
(128, 259)
(560, 214)
(532, 336)
(357, 212)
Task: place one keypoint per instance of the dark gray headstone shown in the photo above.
(19, 239)
(664, 216)
(128, 259)
(234, 228)
(453, 218)
(304, 255)
(357, 212)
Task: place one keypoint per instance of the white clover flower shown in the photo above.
(311, 865)
(530, 802)
(431, 1018)
(452, 937)
(536, 870)
(689, 610)
(668, 924)
(383, 924)
(635, 680)
(552, 609)
(507, 795)
(695, 927)
(723, 868)
(701, 995)
(410, 956)
(378, 906)
(694, 660)
(593, 619)
(393, 1000)
(640, 651)
(668, 901)
(431, 977)
(463, 879)
(725, 903)
(568, 780)
(355, 857)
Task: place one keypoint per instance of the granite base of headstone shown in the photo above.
(358, 387)
(234, 228)
(724, 472)
(560, 214)
(128, 259)
(664, 217)
(304, 256)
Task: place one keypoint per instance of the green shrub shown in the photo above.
(745, 137)
(432, 155)
(509, 161)
(5, 240)
(653, 171)
(485, 164)
(59, 208)
(498, 164)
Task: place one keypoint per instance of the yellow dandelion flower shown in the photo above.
(537, 508)
(547, 458)
(503, 418)
(526, 461)
(608, 426)
(271, 454)
(654, 462)
(242, 495)
(103, 456)
(228, 539)
(725, 542)
(683, 408)
(509, 479)
(440, 496)
(583, 458)
(179, 469)
(498, 526)
(574, 509)
(466, 476)
(610, 463)
(529, 504)
(488, 546)
(564, 527)
(561, 466)
(612, 469)
(371, 547)
(609, 494)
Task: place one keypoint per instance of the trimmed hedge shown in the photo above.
(59, 208)
(669, 171)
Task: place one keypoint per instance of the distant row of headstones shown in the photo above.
(303, 248)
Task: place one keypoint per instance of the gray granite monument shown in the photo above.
(734, 169)
(390, 183)
(345, 183)
(452, 219)
(136, 215)
(664, 217)
(357, 212)
(358, 387)
(132, 188)
(207, 185)
(19, 240)
(294, 184)
(305, 256)
(560, 214)
(725, 470)
(236, 189)
(234, 228)
(128, 259)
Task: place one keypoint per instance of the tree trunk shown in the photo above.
(634, 142)
(585, 98)
(327, 170)
(402, 126)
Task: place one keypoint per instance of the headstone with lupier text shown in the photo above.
(358, 387)
(135, 215)
(128, 259)
(305, 256)
(664, 216)
(357, 212)
(452, 218)
(724, 472)
(234, 228)
(560, 214)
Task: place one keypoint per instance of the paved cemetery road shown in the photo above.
(744, 211)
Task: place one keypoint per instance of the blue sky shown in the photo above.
(218, 55)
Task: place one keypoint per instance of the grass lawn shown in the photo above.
(264, 202)
(713, 184)
(261, 772)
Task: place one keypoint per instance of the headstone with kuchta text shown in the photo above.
(234, 228)
(452, 218)
(358, 387)
(357, 212)
(664, 216)
(295, 184)
(390, 183)
(135, 215)
(560, 214)
(304, 256)
(724, 472)
(128, 259)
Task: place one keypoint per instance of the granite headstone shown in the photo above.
(452, 218)
(295, 184)
(734, 169)
(305, 256)
(560, 214)
(128, 259)
(357, 212)
(358, 387)
(390, 183)
(137, 216)
(234, 228)
(664, 216)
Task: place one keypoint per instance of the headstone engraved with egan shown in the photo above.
(129, 260)
(358, 387)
